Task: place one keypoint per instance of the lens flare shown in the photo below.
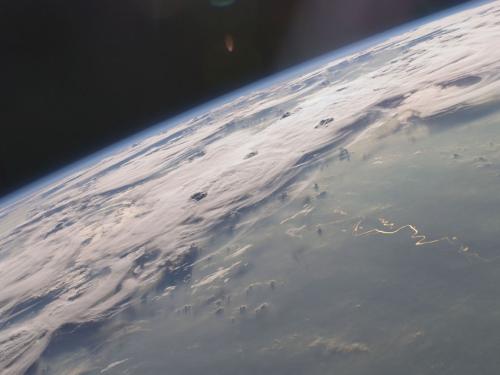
(229, 42)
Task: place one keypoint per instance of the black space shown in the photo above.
(78, 75)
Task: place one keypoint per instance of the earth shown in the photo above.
(339, 218)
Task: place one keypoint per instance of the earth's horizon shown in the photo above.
(40, 183)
